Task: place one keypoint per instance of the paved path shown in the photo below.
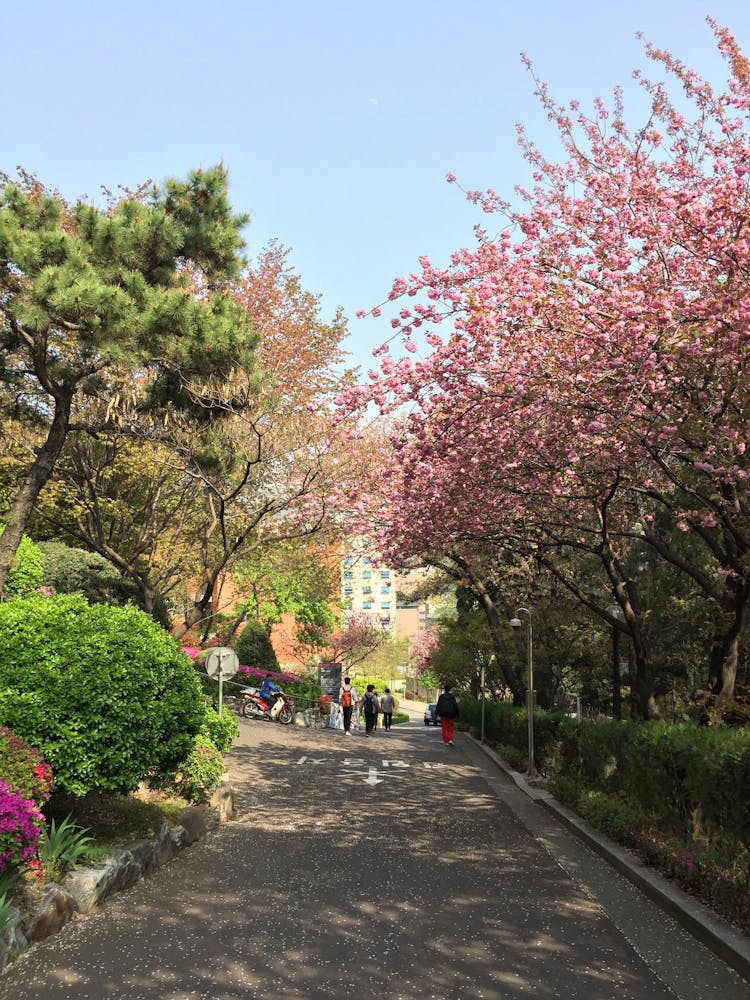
(368, 867)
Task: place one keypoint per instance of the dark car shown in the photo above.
(430, 718)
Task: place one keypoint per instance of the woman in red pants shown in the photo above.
(447, 710)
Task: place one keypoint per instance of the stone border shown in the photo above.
(88, 887)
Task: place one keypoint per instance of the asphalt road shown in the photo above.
(390, 866)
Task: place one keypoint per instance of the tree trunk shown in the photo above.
(231, 631)
(518, 689)
(722, 677)
(36, 478)
(193, 615)
(200, 610)
(643, 702)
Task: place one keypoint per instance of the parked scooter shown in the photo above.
(255, 707)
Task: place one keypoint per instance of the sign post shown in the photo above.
(222, 663)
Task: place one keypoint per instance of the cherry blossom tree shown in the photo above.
(593, 377)
(358, 637)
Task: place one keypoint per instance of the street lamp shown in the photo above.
(481, 682)
(615, 611)
(531, 771)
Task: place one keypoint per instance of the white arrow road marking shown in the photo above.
(371, 775)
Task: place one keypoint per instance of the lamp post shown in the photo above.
(481, 735)
(616, 612)
(531, 771)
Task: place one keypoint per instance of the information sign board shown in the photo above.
(329, 678)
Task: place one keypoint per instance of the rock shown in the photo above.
(164, 849)
(56, 908)
(129, 870)
(12, 940)
(89, 886)
(196, 821)
(222, 801)
(143, 853)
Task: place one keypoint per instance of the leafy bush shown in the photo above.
(677, 794)
(69, 570)
(615, 816)
(220, 729)
(696, 775)
(26, 574)
(199, 772)
(253, 647)
(517, 759)
(104, 692)
(304, 689)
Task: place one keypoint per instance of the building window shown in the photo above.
(385, 589)
(348, 575)
(385, 605)
(366, 575)
(385, 574)
(348, 591)
(367, 605)
(367, 590)
(366, 560)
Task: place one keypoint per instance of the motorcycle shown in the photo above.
(255, 707)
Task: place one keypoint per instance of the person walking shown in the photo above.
(387, 704)
(447, 710)
(347, 703)
(370, 706)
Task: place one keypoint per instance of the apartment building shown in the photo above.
(369, 588)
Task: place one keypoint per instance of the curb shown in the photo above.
(721, 938)
(89, 886)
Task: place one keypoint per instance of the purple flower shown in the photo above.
(20, 825)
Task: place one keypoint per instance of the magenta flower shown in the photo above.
(20, 825)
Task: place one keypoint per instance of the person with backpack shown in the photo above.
(447, 710)
(370, 706)
(348, 702)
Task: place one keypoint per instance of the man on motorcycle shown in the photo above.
(271, 695)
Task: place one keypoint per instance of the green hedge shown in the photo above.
(686, 777)
(104, 693)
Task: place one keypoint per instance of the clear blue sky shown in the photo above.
(337, 119)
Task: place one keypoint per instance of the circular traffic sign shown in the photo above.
(222, 662)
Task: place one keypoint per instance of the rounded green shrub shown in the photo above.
(220, 729)
(69, 570)
(253, 647)
(104, 693)
(199, 772)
